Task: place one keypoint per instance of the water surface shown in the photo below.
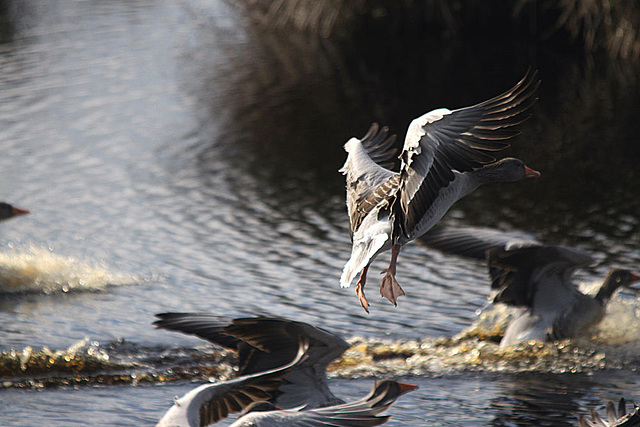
(178, 157)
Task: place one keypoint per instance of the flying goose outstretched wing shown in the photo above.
(443, 141)
(522, 273)
(264, 343)
(211, 403)
(366, 172)
(474, 242)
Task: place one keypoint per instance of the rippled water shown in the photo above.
(177, 157)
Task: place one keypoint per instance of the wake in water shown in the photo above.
(34, 269)
(620, 325)
(613, 344)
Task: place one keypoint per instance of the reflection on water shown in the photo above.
(545, 400)
(287, 101)
(184, 143)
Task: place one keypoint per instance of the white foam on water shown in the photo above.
(37, 269)
(621, 324)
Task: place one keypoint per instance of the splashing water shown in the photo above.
(613, 344)
(35, 269)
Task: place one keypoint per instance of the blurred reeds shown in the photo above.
(596, 25)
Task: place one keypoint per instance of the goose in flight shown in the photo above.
(446, 155)
(8, 211)
(265, 343)
(536, 277)
(210, 403)
(301, 398)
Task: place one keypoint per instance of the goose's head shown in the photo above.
(385, 392)
(508, 170)
(616, 278)
(8, 211)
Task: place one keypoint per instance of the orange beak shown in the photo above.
(406, 387)
(530, 173)
(18, 211)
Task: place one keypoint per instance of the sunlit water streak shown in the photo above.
(34, 269)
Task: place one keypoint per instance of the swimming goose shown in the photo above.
(8, 211)
(536, 277)
(446, 156)
(265, 343)
(363, 412)
(621, 419)
(210, 403)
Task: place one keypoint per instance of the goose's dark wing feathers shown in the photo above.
(473, 242)
(262, 347)
(262, 343)
(366, 175)
(385, 191)
(235, 395)
(443, 141)
(206, 326)
(512, 272)
(379, 145)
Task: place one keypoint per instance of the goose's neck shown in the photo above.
(606, 290)
(487, 174)
(467, 183)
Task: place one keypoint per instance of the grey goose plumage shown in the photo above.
(363, 412)
(265, 343)
(210, 403)
(446, 155)
(536, 277)
(292, 395)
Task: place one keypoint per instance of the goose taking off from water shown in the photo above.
(265, 343)
(536, 277)
(7, 211)
(446, 156)
(301, 398)
(620, 419)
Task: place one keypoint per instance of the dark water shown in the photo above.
(179, 157)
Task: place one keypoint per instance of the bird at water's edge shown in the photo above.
(539, 279)
(535, 277)
(446, 155)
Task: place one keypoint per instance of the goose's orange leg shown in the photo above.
(390, 288)
(360, 289)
